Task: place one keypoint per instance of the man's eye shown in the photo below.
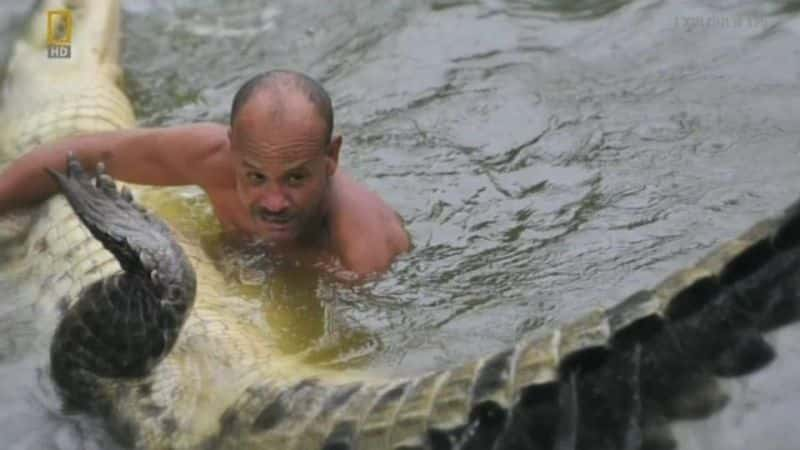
(255, 177)
(296, 178)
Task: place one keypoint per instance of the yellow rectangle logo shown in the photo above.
(59, 27)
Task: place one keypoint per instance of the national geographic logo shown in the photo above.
(59, 34)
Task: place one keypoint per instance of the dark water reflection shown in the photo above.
(548, 156)
(565, 9)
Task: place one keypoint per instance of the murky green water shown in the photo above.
(548, 155)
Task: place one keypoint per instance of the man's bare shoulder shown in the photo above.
(368, 233)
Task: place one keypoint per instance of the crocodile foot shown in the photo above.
(123, 325)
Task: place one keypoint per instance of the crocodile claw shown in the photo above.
(88, 199)
(104, 181)
(126, 194)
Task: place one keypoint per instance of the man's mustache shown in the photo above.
(269, 216)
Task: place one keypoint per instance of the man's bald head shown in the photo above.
(278, 85)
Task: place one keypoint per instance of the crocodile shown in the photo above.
(143, 333)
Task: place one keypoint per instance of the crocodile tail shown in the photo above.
(122, 325)
(614, 379)
(630, 370)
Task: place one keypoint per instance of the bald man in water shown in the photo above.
(271, 176)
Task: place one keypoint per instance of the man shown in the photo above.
(270, 176)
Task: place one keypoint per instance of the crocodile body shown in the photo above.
(143, 333)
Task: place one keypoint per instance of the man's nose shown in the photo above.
(274, 201)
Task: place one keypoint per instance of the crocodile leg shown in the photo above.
(123, 325)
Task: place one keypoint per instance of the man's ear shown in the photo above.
(333, 153)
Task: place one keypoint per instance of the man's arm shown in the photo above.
(157, 156)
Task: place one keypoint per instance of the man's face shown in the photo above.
(283, 164)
